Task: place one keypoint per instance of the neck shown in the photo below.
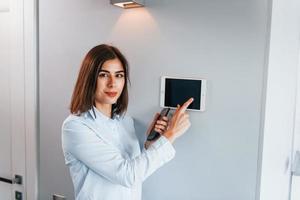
(104, 108)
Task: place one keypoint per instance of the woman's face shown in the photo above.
(110, 82)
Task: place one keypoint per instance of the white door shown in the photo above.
(5, 115)
(12, 104)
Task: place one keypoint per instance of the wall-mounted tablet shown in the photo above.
(175, 90)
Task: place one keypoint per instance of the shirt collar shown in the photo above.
(96, 114)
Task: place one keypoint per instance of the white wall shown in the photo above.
(222, 41)
(281, 82)
(295, 192)
(4, 5)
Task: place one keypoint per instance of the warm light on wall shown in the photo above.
(128, 4)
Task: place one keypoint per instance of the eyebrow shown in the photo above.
(102, 70)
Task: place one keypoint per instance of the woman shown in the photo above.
(99, 141)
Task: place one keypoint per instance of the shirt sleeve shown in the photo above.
(107, 161)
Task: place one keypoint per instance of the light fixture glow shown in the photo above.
(128, 4)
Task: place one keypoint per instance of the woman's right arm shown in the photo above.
(107, 161)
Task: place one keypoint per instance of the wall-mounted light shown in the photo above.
(128, 3)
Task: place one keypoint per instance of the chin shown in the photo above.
(110, 101)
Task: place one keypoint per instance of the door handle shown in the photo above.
(16, 180)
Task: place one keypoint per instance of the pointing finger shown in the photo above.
(177, 109)
(186, 105)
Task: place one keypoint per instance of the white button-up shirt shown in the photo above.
(105, 159)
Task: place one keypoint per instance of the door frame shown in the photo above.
(31, 97)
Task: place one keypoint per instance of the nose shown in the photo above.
(111, 81)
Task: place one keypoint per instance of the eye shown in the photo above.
(120, 75)
(103, 75)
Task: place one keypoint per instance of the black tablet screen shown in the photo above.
(177, 91)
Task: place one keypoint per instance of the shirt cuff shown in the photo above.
(164, 148)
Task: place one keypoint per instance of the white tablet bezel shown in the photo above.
(202, 97)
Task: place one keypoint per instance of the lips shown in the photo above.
(111, 94)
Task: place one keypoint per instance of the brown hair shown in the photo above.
(83, 97)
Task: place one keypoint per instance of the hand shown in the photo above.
(160, 126)
(179, 123)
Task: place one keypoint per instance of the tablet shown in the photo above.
(175, 90)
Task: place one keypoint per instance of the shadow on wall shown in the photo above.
(140, 131)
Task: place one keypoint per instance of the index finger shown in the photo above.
(186, 105)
